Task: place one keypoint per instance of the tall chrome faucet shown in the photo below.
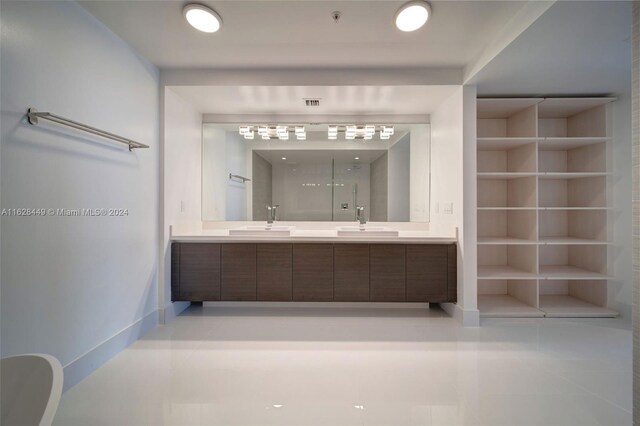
(271, 214)
(360, 215)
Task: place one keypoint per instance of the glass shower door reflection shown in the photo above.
(350, 189)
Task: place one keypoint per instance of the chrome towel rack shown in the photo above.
(33, 115)
(242, 178)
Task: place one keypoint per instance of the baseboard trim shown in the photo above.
(171, 311)
(466, 317)
(85, 364)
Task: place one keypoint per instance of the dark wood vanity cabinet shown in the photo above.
(351, 272)
(322, 272)
(427, 268)
(388, 273)
(313, 272)
(239, 275)
(195, 272)
(275, 272)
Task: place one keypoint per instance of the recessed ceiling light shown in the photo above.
(357, 158)
(284, 158)
(202, 18)
(413, 15)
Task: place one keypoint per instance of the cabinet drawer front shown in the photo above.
(351, 276)
(387, 272)
(313, 272)
(199, 272)
(239, 272)
(427, 273)
(275, 272)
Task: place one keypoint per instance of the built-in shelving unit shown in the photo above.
(543, 207)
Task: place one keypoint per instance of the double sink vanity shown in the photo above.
(281, 263)
(285, 220)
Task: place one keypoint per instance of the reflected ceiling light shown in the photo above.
(412, 15)
(301, 134)
(357, 158)
(247, 132)
(202, 18)
(284, 158)
(359, 131)
(332, 132)
(350, 132)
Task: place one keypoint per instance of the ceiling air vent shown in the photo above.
(312, 102)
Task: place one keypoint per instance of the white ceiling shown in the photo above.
(575, 48)
(301, 34)
(334, 100)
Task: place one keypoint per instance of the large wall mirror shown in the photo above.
(317, 172)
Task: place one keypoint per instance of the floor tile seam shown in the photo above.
(594, 394)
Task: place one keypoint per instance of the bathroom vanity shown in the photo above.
(313, 266)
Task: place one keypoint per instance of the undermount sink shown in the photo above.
(366, 231)
(257, 230)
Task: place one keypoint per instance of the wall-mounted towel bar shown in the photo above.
(242, 178)
(33, 115)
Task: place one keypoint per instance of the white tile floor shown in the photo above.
(309, 366)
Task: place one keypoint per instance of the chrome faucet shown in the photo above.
(271, 214)
(360, 216)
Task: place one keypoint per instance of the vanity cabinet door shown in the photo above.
(239, 272)
(387, 273)
(313, 272)
(351, 273)
(195, 272)
(427, 273)
(275, 272)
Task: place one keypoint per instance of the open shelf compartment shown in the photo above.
(520, 159)
(574, 299)
(585, 192)
(507, 262)
(573, 262)
(572, 117)
(572, 226)
(507, 192)
(590, 158)
(507, 226)
(511, 298)
(507, 118)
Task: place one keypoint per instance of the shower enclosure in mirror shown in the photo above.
(316, 172)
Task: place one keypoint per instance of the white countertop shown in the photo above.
(406, 236)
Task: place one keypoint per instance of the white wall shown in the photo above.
(302, 191)
(181, 181)
(453, 174)
(419, 166)
(223, 153)
(214, 169)
(379, 184)
(261, 186)
(347, 177)
(621, 288)
(399, 186)
(69, 284)
(236, 152)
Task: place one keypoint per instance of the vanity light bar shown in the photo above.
(333, 132)
(359, 131)
(279, 131)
